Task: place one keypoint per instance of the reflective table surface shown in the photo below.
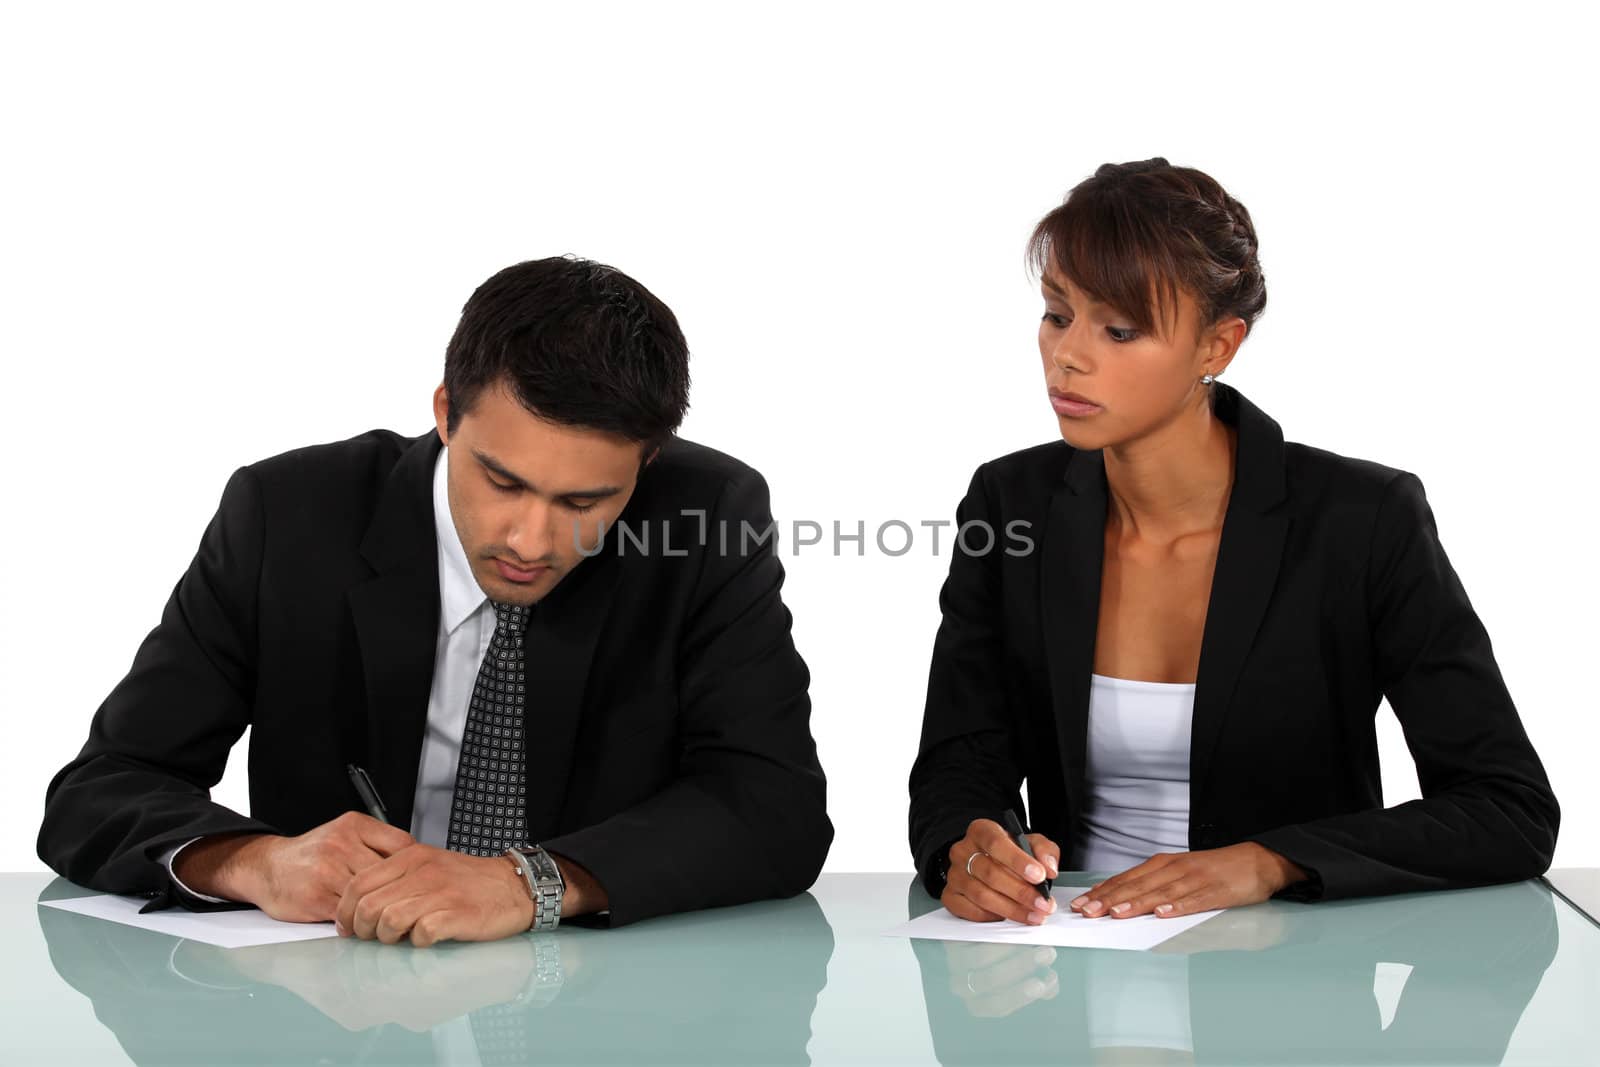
(1505, 974)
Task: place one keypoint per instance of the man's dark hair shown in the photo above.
(576, 342)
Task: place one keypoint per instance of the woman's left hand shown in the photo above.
(1181, 883)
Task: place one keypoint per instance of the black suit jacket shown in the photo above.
(670, 750)
(1331, 591)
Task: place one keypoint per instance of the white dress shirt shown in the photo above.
(1138, 773)
(466, 624)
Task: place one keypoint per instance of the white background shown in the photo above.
(227, 234)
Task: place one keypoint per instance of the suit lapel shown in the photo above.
(396, 619)
(1248, 557)
(562, 633)
(1074, 553)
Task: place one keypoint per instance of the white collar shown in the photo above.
(459, 592)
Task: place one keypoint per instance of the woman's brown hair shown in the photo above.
(1132, 233)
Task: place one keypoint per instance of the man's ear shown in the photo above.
(651, 458)
(441, 413)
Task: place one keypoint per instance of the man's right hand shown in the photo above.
(1002, 881)
(293, 879)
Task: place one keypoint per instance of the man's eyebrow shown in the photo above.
(496, 467)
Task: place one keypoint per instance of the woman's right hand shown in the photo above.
(1003, 879)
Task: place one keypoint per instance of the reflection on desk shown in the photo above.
(645, 993)
(1423, 978)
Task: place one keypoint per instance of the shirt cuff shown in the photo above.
(166, 859)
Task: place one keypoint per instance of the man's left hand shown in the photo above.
(1181, 883)
(432, 894)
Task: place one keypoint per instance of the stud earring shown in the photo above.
(1207, 379)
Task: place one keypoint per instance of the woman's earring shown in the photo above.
(1207, 379)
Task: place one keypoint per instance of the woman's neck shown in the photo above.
(1174, 481)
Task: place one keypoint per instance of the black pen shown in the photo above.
(369, 795)
(1014, 828)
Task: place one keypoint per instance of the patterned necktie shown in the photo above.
(487, 813)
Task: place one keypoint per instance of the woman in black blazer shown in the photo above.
(1173, 536)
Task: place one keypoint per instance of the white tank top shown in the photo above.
(1138, 771)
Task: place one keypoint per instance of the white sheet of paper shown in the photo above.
(1065, 928)
(226, 929)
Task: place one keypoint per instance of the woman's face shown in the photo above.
(1137, 382)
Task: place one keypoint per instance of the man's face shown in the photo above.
(526, 494)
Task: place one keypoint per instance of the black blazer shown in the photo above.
(671, 751)
(1331, 591)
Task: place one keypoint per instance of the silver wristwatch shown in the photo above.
(545, 885)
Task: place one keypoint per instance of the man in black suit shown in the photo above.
(549, 629)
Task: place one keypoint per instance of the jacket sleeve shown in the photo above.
(141, 784)
(745, 818)
(966, 766)
(1487, 813)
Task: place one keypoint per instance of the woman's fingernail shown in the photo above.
(1040, 904)
(1077, 902)
(1093, 905)
(1035, 873)
(1036, 917)
(1120, 908)
(1050, 861)
(1163, 908)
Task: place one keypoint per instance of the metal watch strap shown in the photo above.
(544, 881)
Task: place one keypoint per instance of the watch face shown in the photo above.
(545, 868)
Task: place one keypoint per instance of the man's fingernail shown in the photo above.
(1035, 873)
(1041, 904)
(1093, 905)
(1163, 908)
(1120, 908)
(1036, 917)
(1051, 862)
(1077, 902)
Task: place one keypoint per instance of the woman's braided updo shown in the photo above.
(1132, 232)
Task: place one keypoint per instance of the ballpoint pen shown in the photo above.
(1014, 828)
(369, 795)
